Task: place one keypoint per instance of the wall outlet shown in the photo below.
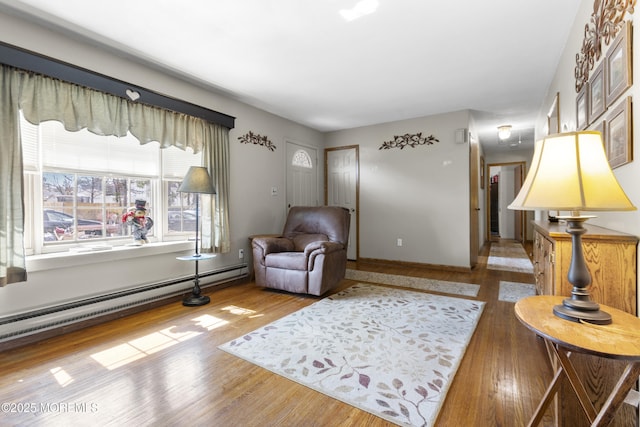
(399, 243)
(241, 253)
(274, 191)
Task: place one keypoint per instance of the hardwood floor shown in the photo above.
(162, 367)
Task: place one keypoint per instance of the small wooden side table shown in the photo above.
(619, 340)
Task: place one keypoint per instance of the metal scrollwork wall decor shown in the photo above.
(256, 139)
(606, 21)
(408, 140)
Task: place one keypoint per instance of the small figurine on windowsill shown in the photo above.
(139, 221)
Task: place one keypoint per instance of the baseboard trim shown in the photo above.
(75, 326)
(414, 265)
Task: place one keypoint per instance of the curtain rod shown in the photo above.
(30, 61)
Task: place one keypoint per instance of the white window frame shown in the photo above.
(34, 207)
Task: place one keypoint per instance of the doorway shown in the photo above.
(505, 181)
(342, 188)
(302, 175)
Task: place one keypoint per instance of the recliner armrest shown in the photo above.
(322, 247)
(273, 244)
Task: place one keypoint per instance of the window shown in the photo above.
(302, 159)
(79, 185)
(77, 206)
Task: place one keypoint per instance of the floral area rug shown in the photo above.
(514, 291)
(390, 352)
(433, 285)
(509, 257)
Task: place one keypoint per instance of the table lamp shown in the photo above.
(197, 180)
(570, 172)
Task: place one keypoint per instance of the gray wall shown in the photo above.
(564, 83)
(254, 170)
(420, 194)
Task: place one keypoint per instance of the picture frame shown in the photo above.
(601, 127)
(482, 172)
(582, 108)
(597, 103)
(553, 117)
(618, 63)
(618, 131)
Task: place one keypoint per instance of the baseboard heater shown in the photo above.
(20, 325)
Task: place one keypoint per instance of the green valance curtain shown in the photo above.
(216, 160)
(12, 263)
(43, 98)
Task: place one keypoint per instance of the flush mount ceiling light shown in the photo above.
(504, 131)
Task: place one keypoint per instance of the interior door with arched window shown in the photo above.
(302, 175)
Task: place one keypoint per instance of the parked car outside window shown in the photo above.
(182, 220)
(60, 226)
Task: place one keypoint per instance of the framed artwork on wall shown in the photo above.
(582, 108)
(618, 64)
(600, 127)
(553, 117)
(596, 101)
(618, 133)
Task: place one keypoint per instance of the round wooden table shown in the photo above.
(619, 340)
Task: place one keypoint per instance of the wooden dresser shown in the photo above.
(611, 260)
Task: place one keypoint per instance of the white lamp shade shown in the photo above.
(570, 172)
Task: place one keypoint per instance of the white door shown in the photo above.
(302, 175)
(474, 202)
(342, 188)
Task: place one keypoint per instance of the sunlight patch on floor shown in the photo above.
(210, 322)
(62, 376)
(138, 348)
(242, 311)
(238, 310)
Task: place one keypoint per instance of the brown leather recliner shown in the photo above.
(311, 255)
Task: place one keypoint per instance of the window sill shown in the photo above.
(74, 258)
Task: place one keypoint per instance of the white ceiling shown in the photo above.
(303, 60)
